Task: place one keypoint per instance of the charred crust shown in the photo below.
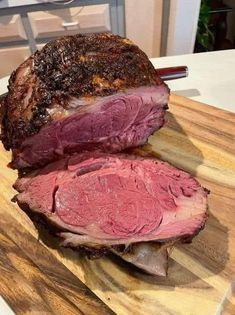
(206, 190)
(81, 65)
(70, 63)
(2, 107)
(91, 252)
(13, 134)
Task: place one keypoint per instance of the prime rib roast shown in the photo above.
(70, 111)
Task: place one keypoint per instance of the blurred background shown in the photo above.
(159, 27)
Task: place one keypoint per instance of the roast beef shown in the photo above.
(102, 200)
(69, 108)
(79, 93)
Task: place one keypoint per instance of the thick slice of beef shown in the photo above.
(82, 92)
(103, 200)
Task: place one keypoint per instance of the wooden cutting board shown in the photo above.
(37, 279)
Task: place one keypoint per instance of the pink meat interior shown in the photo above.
(117, 197)
(110, 124)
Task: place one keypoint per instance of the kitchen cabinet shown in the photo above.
(92, 18)
(95, 18)
(31, 24)
(11, 57)
(37, 22)
(54, 23)
(11, 28)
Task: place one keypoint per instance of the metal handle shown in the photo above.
(59, 2)
(69, 24)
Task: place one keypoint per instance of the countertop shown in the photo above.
(211, 77)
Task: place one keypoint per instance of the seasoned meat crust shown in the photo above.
(81, 67)
(93, 65)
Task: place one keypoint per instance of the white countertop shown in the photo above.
(211, 77)
(5, 308)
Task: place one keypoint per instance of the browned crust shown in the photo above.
(93, 65)
(2, 107)
(80, 66)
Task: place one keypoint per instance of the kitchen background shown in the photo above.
(159, 27)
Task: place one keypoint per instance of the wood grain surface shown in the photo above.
(37, 277)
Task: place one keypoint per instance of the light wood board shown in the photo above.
(39, 279)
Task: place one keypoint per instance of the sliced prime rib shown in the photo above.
(98, 201)
(79, 93)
